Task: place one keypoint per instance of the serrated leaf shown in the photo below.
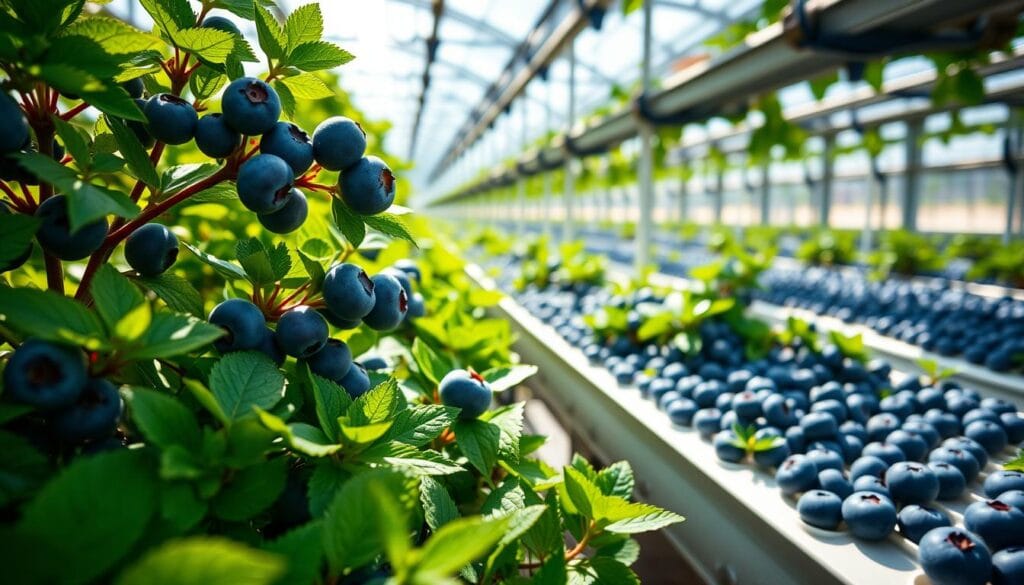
(307, 86)
(390, 225)
(350, 224)
(250, 490)
(508, 377)
(599, 571)
(421, 423)
(171, 334)
(331, 401)
(457, 544)
(300, 437)
(304, 24)
(303, 548)
(170, 15)
(163, 419)
(75, 143)
(18, 229)
(479, 441)
(364, 434)
(134, 324)
(431, 364)
(226, 269)
(284, 93)
(176, 292)
(438, 506)
(643, 518)
(114, 296)
(210, 44)
(379, 404)
(578, 494)
(134, 153)
(616, 480)
(280, 260)
(48, 315)
(269, 33)
(509, 419)
(409, 458)
(243, 380)
(205, 82)
(314, 269)
(204, 560)
(318, 55)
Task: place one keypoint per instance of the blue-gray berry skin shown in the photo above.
(338, 322)
(301, 332)
(390, 303)
(821, 509)
(726, 449)
(1008, 566)
(951, 481)
(988, 434)
(915, 521)
(348, 292)
(954, 556)
(244, 323)
(250, 106)
(264, 183)
(221, 23)
(93, 416)
(368, 187)
(467, 391)
(912, 483)
(338, 143)
(171, 119)
(962, 459)
(13, 125)
(333, 361)
(44, 374)
(151, 249)
(289, 218)
(1003, 480)
(798, 473)
(215, 138)
(268, 347)
(134, 87)
(356, 382)
(869, 515)
(55, 235)
(291, 143)
(999, 524)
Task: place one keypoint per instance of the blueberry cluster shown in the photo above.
(985, 331)
(350, 297)
(55, 379)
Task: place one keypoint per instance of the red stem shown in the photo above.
(18, 202)
(54, 273)
(74, 111)
(154, 157)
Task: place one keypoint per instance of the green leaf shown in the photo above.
(851, 346)
(380, 404)
(350, 224)
(284, 93)
(114, 296)
(163, 419)
(616, 480)
(581, 496)
(455, 545)
(22, 468)
(18, 230)
(211, 45)
(304, 24)
(303, 547)
(317, 55)
(86, 519)
(280, 260)
(48, 315)
(75, 144)
(176, 292)
(242, 380)
(170, 15)
(601, 571)
(411, 459)
(1016, 464)
(364, 434)
(391, 225)
(171, 334)
(307, 86)
(331, 401)
(228, 270)
(479, 442)
(314, 269)
(421, 423)
(431, 364)
(134, 153)
(509, 419)
(508, 377)
(204, 560)
(113, 101)
(324, 483)
(250, 490)
(631, 518)
(115, 36)
(269, 33)
(300, 437)
(206, 82)
(438, 506)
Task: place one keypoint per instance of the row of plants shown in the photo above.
(228, 355)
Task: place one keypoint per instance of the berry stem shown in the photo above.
(19, 204)
(54, 273)
(154, 158)
(74, 111)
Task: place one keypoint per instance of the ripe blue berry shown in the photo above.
(214, 138)
(170, 118)
(250, 106)
(338, 143)
(390, 303)
(348, 292)
(888, 453)
(870, 483)
(368, 187)
(264, 183)
(45, 375)
(869, 516)
(221, 23)
(707, 421)
(971, 446)
(681, 410)
(1008, 566)
(819, 425)
(963, 460)
(1013, 424)
(1003, 480)
(820, 508)
(290, 217)
(268, 346)
(953, 556)
(291, 143)
(333, 361)
(56, 237)
(93, 416)
(417, 307)
(825, 458)
(867, 465)
(833, 480)
(951, 481)
(798, 473)
(151, 249)
(999, 524)
(1013, 497)
(244, 323)
(374, 363)
(134, 87)
(726, 449)
(915, 521)
(911, 483)
(356, 382)
(301, 332)
(988, 434)
(466, 390)
(409, 267)
(913, 446)
(338, 321)
(13, 125)
(773, 456)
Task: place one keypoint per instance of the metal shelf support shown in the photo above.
(912, 178)
(646, 166)
(569, 227)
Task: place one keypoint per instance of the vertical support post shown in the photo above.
(569, 227)
(546, 211)
(766, 194)
(719, 195)
(683, 194)
(827, 174)
(874, 187)
(645, 170)
(912, 176)
(521, 179)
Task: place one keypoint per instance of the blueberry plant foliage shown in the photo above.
(202, 382)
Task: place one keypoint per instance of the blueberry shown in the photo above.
(250, 106)
(348, 292)
(911, 483)
(795, 439)
(16, 262)
(880, 425)
(998, 405)
(15, 126)
(390, 304)
(946, 423)
(821, 509)
(962, 459)
(151, 249)
(45, 375)
(170, 119)
(403, 279)
(410, 268)
(870, 483)
(268, 347)
(798, 473)
(55, 235)
(971, 446)
(141, 129)
(1008, 566)
(93, 416)
(951, 481)
(915, 521)
(338, 143)
(417, 307)
(825, 458)
(466, 390)
(301, 332)
(333, 361)
(290, 143)
(706, 393)
(214, 138)
(726, 449)
(834, 407)
(854, 429)
(746, 404)
(999, 524)
(706, 421)
(368, 187)
(868, 465)
(1014, 498)
(869, 516)
(221, 23)
(924, 430)
(1013, 424)
(819, 425)
(773, 456)
(988, 434)
(374, 363)
(659, 388)
(930, 398)
(779, 411)
(244, 323)
(264, 183)
(833, 480)
(979, 414)
(290, 217)
(914, 448)
(356, 382)
(1003, 480)
(953, 556)
(888, 453)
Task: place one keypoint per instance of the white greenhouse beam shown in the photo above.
(645, 227)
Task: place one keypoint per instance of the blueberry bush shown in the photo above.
(228, 355)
